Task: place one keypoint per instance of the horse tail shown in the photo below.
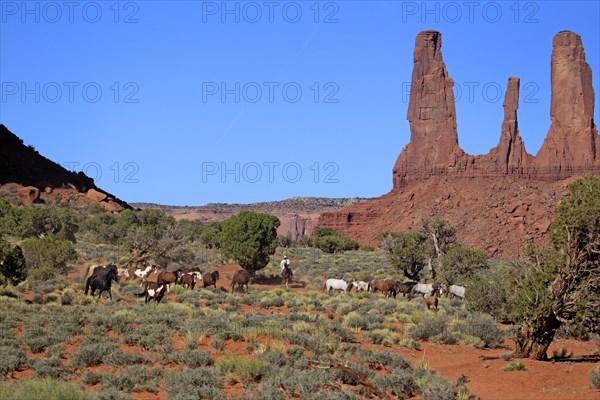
(87, 271)
(324, 286)
(87, 286)
(369, 286)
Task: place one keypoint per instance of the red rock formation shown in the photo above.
(510, 157)
(28, 194)
(572, 141)
(40, 179)
(498, 201)
(571, 146)
(431, 114)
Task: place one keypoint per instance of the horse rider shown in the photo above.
(284, 263)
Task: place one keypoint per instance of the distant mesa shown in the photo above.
(498, 199)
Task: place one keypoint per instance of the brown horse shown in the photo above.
(287, 275)
(188, 280)
(431, 299)
(388, 287)
(169, 277)
(241, 277)
(210, 279)
(154, 291)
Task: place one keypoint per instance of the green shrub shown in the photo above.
(120, 382)
(485, 328)
(595, 377)
(429, 326)
(515, 366)
(11, 359)
(193, 384)
(195, 359)
(110, 393)
(49, 368)
(90, 378)
(68, 297)
(400, 383)
(248, 369)
(385, 337)
(56, 351)
(487, 294)
(43, 389)
(90, 354)
(38, 339)
(437, 388)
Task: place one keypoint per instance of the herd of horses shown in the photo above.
(430, 291)
(157, 283)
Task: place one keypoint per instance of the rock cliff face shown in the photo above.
(571, 146)
(431, 114)
(572, 143)
(496, 201)
(510, 157)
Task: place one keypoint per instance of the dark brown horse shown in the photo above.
(241, 277)
(188, 280)
(406, 288)
(210, 279)
(287, 275)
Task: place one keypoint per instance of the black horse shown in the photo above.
(101, 279)
(406, 288)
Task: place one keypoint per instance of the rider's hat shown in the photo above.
(284, 256)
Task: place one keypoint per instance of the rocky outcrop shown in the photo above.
(498, 201)
(39, 179)
(572, 142)
(431, 114)
(510, 157)
(28, 194)
(297, 226)
(572, 145)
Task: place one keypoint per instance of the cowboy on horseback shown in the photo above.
(284, 263)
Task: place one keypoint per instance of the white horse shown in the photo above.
(337, 284)
(361, 286)
(426, 288)
(142, 273)
(458, 291)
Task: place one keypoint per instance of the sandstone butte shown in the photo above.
(499, 201)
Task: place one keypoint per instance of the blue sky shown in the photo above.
(191, 102)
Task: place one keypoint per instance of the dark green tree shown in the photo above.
(12, 264)
(331, 241)
(561, 284)
(47, 256)
(407, 251)
(250, 238)
(459, 264)
(37, 221)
